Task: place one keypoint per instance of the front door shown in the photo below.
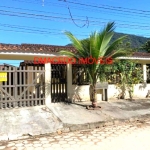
(59, 82)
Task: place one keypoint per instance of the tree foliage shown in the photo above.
(127, 72)
(97, 45)
(146, 46)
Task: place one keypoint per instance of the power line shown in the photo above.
(93, 5)
(109, 8)
(52, 4)
(87, 22)
(140, 10)
(129, 16)
(35, 30)
(21, 29)
(86, 5)
(48, 17)
(93, 21)
(65, 14)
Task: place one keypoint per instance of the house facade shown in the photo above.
(65, 81)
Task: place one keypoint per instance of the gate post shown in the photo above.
(144, 73)
(15, 88)
(69, 81)
(47, 83)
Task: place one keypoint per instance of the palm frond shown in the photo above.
(110, 27)
(76, 43)
(119, 54)
(105, 37)
(67, 53)
(86, 46)
(114, 45)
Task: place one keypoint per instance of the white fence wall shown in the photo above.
(140, 91)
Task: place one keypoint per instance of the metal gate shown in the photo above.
(59, 82)
(24, 86)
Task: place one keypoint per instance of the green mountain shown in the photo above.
(136, 41)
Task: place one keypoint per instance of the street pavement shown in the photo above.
(124, 136)
(23, 123)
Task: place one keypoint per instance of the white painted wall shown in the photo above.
(140, 91)
(83, 92)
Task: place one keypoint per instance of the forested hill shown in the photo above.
(136, 41)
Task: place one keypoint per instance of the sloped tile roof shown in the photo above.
(34, 48)
(141, 55)
(46, 49)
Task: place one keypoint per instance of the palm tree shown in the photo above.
(98, 45)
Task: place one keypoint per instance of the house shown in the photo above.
(62, 81)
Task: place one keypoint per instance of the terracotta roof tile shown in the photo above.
(141, 55)
(46, 49)
(35, 48)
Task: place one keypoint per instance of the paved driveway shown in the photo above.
(27, 121)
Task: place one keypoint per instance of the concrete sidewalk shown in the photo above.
(60, 117)
(76, 116)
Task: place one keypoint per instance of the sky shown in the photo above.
(44, 21)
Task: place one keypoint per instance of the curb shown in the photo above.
(77, 127)
(95, 125)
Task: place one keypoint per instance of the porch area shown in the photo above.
(40, 84)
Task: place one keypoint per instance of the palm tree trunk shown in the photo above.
(123, 92)
(93, 98)
(130, 90)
